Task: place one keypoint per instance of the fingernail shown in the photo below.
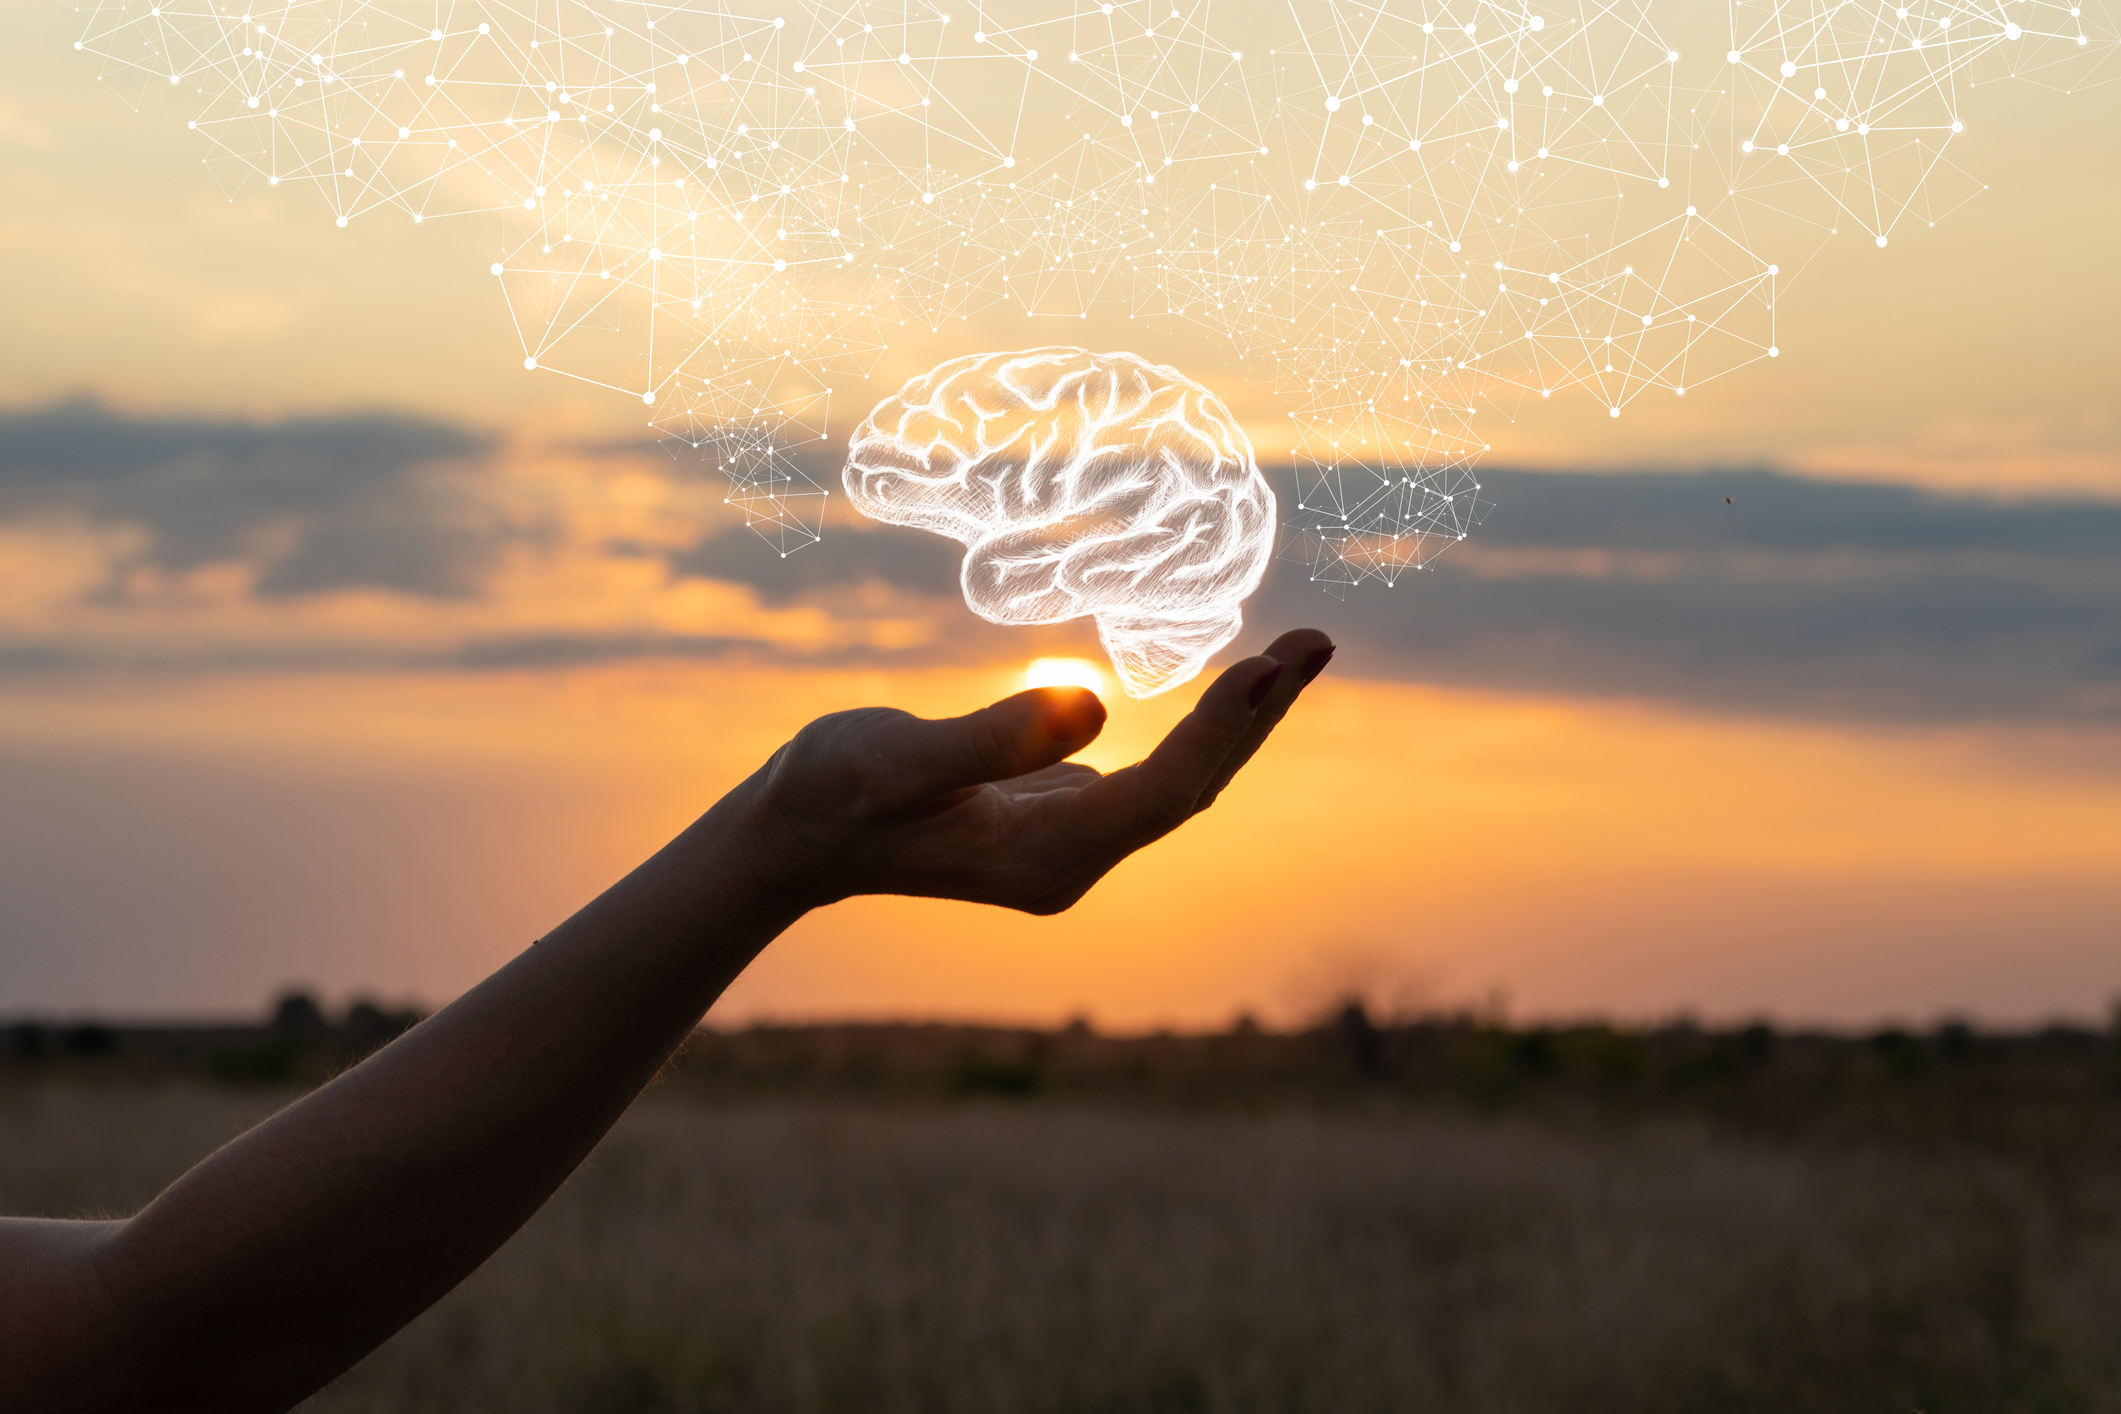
(1265, 685)
(1070, 715)
(1316, 663)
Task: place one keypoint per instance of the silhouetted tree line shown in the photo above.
(2058, 1086)
(297, 1042)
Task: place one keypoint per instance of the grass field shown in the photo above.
(805, 1252)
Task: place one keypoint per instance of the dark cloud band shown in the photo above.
(1737, 590)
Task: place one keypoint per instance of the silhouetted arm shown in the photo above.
(283, 1258)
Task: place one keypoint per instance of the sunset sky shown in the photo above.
(337, 649)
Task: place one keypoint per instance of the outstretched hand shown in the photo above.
(986, 807)
(275, 1264)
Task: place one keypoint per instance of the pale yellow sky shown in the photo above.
(1978, 353)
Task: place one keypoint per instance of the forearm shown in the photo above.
(282, 1259)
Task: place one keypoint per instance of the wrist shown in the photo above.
(757, 855)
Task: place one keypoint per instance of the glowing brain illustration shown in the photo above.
(1081, 484)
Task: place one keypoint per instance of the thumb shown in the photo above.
(1015, 736)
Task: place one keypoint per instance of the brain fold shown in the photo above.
(1082, 484)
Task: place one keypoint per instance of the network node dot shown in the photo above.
(1230, 255)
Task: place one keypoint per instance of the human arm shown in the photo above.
(282, 1259)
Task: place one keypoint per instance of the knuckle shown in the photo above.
(826, 765)
(994, 745)
(1164, 813)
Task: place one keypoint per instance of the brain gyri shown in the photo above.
(1081, 484)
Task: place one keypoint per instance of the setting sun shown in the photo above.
(1065, 672)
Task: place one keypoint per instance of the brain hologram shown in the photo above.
(1082, 484)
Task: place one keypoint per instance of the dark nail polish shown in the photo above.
(1316, 663)
(1265, 685)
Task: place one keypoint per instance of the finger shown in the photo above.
(918, 760)
(1306, 652)
(1130, 807)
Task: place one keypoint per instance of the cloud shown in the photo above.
(370, 538)
(1792, 596)
(382, 540)
(910, 560)
(316, 503)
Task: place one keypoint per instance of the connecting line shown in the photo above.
(847, 169)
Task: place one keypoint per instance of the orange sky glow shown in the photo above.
(229, 784)
(1425, 847)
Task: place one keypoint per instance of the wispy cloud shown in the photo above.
(1759, 591)
(375, 538)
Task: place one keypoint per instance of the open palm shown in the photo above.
(986, 808)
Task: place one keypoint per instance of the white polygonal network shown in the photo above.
(1420, 215)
